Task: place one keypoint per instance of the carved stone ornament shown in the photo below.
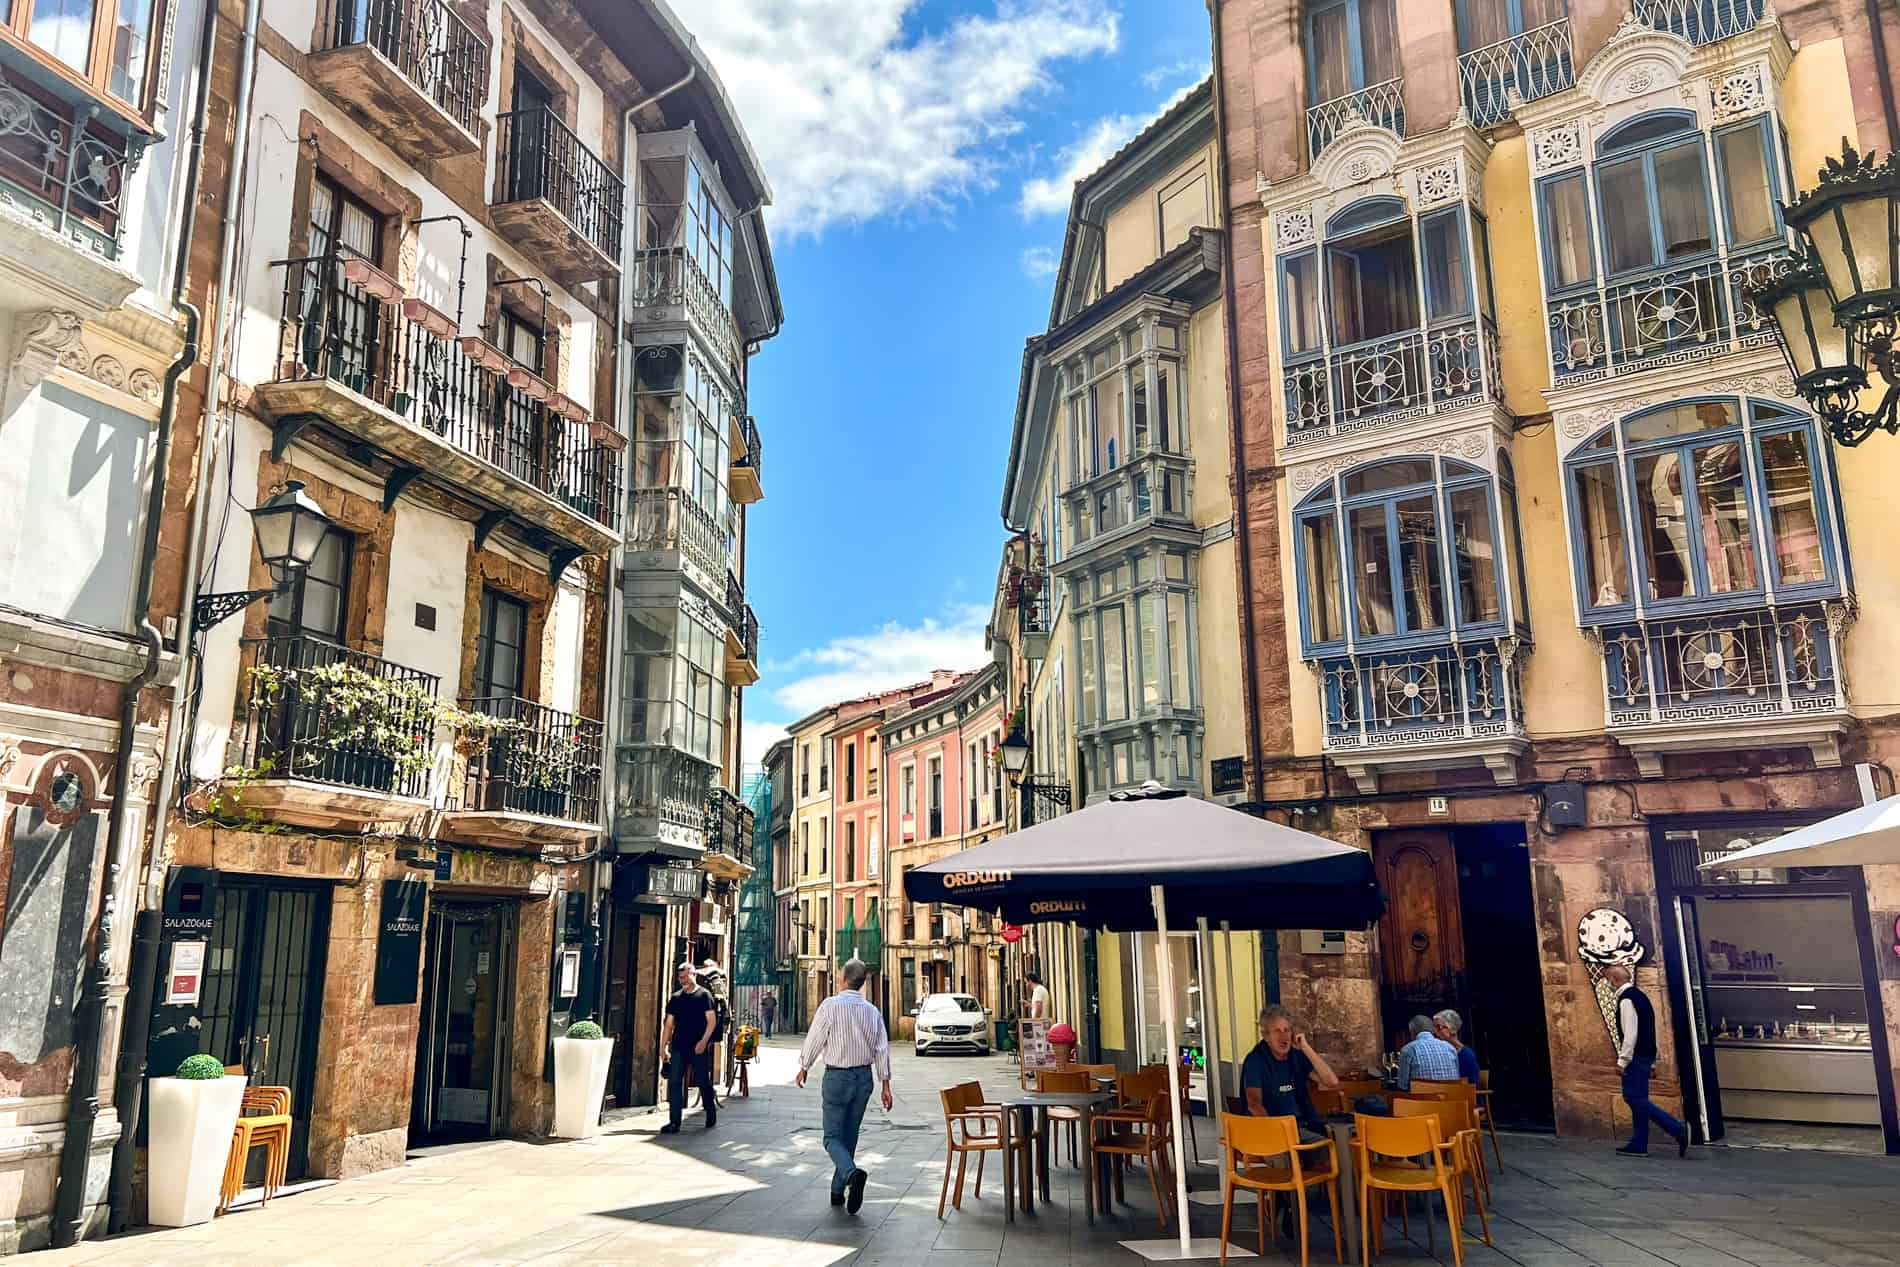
(1555, 148)
(1361, 152)
(1471, 446)
(1439, 183)
(1737, 93)
(44, 339)
(1637, 60)
(1776, 385)
(1293, 229)
(9, 756)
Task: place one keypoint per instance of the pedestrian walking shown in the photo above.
(687, 1039)
(847, 1033)
(768, 1011)
(1636, 1058)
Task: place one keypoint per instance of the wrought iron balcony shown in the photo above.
(1671, 316)
(865, 944)
(529, 759)
(368, 365)
(322, 713)
(412, 70)
(746, 466)
(555, 198)
(670, 287)
(660, 799)
(729, 824)
(1033, 620)
(742, 639)
(62, 167)
(1376, 383)
(1428, 707)
(1382, 105)
(1741, 675)
(1529, 65)
(1701, 21)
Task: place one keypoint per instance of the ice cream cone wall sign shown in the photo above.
(1606, 939)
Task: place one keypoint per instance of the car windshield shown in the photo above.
(951, 1003)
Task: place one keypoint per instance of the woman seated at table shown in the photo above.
(1274, 1079)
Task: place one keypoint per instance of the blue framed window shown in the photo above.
(1653, 198)
(1350, 45)
(1485, 22)
(1748, 178)
(1407, 549)
(1563, 204)
(1702, 503)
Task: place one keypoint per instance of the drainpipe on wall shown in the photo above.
(142, 984)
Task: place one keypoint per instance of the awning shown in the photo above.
(1866, 836)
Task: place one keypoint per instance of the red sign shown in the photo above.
(1012, 933)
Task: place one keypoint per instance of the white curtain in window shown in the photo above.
(1606, 566)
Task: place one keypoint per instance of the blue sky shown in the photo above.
(921, 154)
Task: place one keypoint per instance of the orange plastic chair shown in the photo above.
(1265, 1155)
(1146, 1141)
(1071, 1080)
(1386, 1138)
(1455, 1123)
(264, 1121)
(971, 1126)
(1484, 1114)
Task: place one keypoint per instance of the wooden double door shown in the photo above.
(1460, 932)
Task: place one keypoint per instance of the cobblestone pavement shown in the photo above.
(754, 1191)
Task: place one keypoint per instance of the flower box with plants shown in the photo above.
(382, 728)
(193, 1114)
(581, 1060)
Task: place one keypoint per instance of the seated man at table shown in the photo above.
(1427, 1056)
(1445, 1025)
(1275, 1075)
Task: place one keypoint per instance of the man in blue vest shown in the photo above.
(1636, 1057)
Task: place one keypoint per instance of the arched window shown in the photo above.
(1408, 548)
(1702, 503)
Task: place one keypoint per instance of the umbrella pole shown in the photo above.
(1211, 1049)
(1168, 1006)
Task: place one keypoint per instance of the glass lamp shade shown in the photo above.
(1851, 222)
(289, 528)
(1015, 750)
(1802, 305)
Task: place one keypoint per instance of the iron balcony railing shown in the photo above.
(752, 458)
(540, 157)
(1701, 21)
(1032, 606)
(1529, 65)
(323, 713)
(1724, 668)
(669, 277)
(936, 823)
(1424, 696)
(532, 760)
(729, 823)
(67, 168)
(1681, 314)
(1381, 104)
(661, 791)
(735, 596)
(669, 519)
(331, 328)
(1339, 390)
(749, 634)
(430, 45)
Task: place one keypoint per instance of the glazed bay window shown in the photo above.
(1411, 599)
(1138, 707)
(107, 45)
(686, 248)
(1352, 54)
(680, 457)
(675, 692)
(1390, 317)
(1125, 448)
(1648, 249)
(1708, 558)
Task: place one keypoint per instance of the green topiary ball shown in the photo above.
(584, 1029)
(200, 1068)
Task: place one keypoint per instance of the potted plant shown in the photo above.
(581, 1058)
(193, 1114)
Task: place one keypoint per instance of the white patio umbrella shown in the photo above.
(1866, 836)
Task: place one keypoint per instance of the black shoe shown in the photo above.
(855, 1201)
(712, 1120)
(1682, 1144)
(837, 1198)
(1630, 1150)
(671, 1128)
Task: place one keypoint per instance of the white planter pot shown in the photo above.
(580, 1085)
(191, 1125)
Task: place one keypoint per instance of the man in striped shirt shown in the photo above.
(847, 1033)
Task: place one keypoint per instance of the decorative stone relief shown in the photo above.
(1293, 228)
(1439, 183)
(145, 767)
(1737, 93)
(1558, 147)
(1777, 384)
(1471, 446)
(9, 756)
(45, 339)
(1637, 60)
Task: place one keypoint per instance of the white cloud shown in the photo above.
(854, 116)
(1192, 71)
(1051, 195)
(860, 664)
(1041, 262)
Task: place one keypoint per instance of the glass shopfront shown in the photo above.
(1777, 1020)
(1190, 1012)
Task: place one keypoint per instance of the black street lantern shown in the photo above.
(1015, 750)
(1839, 311)
(289, 529)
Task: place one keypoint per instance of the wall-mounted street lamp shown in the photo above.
(1015, 750)
(1838, 311)
(289, 529)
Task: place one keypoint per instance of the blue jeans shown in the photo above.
(845, 1092)
(1643, 1111)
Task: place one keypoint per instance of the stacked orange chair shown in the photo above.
(263, 1122)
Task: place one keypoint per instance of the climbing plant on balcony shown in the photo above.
(357, 712)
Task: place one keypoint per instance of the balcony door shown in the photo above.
(342, 325)
(523, 420)
(530, 137)
(1351, 44)
(500, 650)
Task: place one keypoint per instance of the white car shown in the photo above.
(952, 1022)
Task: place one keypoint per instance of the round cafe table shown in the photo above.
(1029, 1104)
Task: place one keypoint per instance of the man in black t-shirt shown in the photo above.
(1274, 1079)
(686, 1040)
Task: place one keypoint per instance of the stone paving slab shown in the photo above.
(754, 1191)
